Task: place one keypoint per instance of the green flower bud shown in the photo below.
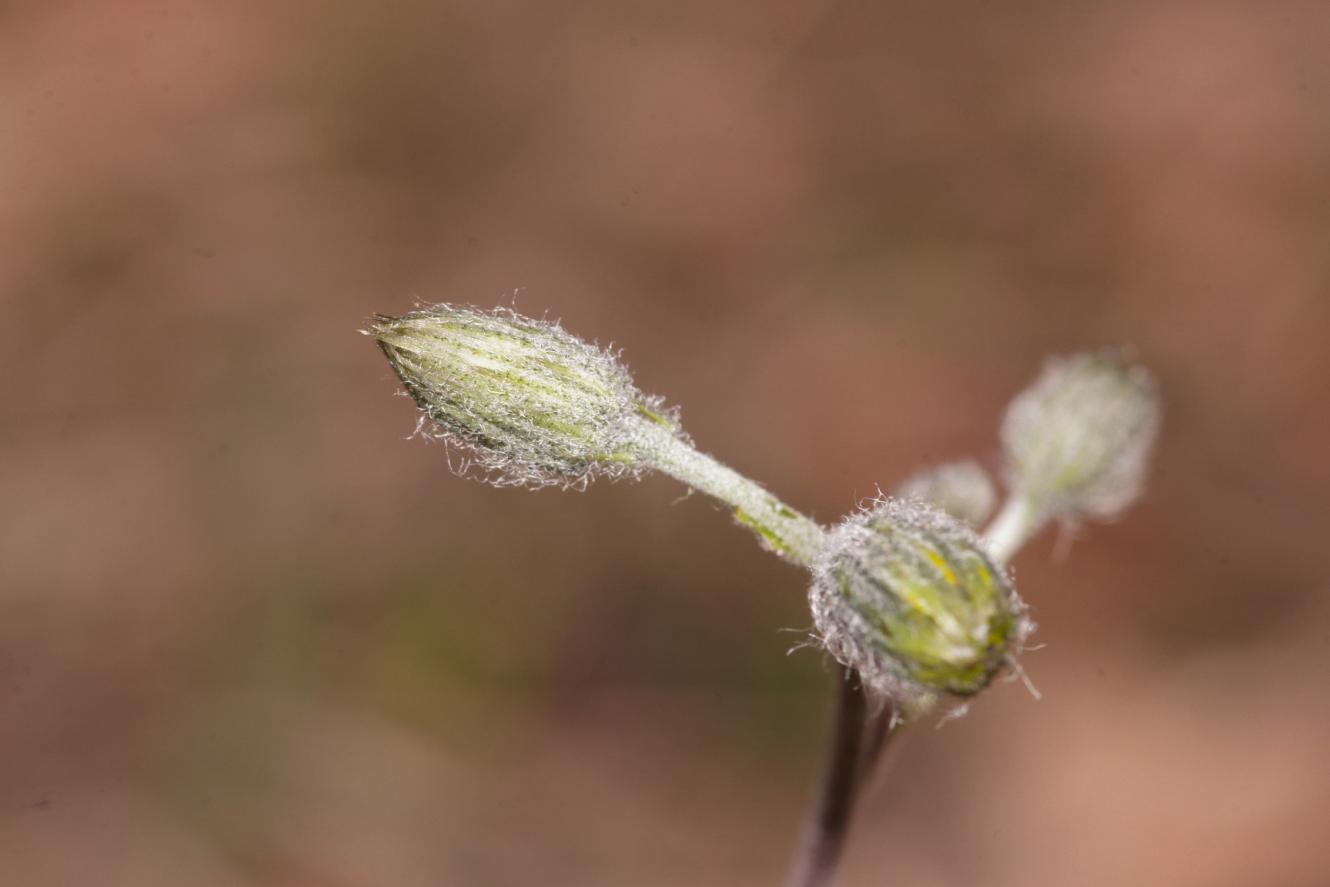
(1078, 441)
(530, 403)
(904, 594)
(961, 489)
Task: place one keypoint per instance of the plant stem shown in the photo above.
(881, 729)
(1015, 525)
(828, 823)
(780, 528)
(858, 738)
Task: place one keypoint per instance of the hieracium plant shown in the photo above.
(911, 599)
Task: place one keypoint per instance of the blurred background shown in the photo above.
(252, 635)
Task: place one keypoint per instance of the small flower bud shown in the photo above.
(961, 489)
(1078, 441)
(904, 594)
(532, 404)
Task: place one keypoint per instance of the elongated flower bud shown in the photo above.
(536, 406)
(961, 489)
(904, 594)
(1078, 441)
(532, 404)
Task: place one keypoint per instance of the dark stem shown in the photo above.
(859, 737)
(824, 833)
(881, 729)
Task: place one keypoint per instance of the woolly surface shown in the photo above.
(1078, 441)
(905, 594)
(527, 403)
(961, 489)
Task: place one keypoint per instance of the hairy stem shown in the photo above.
(779, 527)
(858, 737)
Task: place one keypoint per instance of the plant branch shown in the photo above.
(828, 823)
(779, 527)
(1015, 525)
(881, 729)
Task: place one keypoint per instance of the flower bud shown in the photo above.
(532, 404)
(1078, 441)
(961, 489)
(904, 594)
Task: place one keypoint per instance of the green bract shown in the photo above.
(531, 404)
(904, 594)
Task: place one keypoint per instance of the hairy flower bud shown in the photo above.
(904, 594)
(532, 404)
(961, 489)
(1078, 441)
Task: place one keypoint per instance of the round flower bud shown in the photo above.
(961, 489)
(904, 594)
(1078, 441)
(532, 404)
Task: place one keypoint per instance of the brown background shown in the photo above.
(249, 635)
